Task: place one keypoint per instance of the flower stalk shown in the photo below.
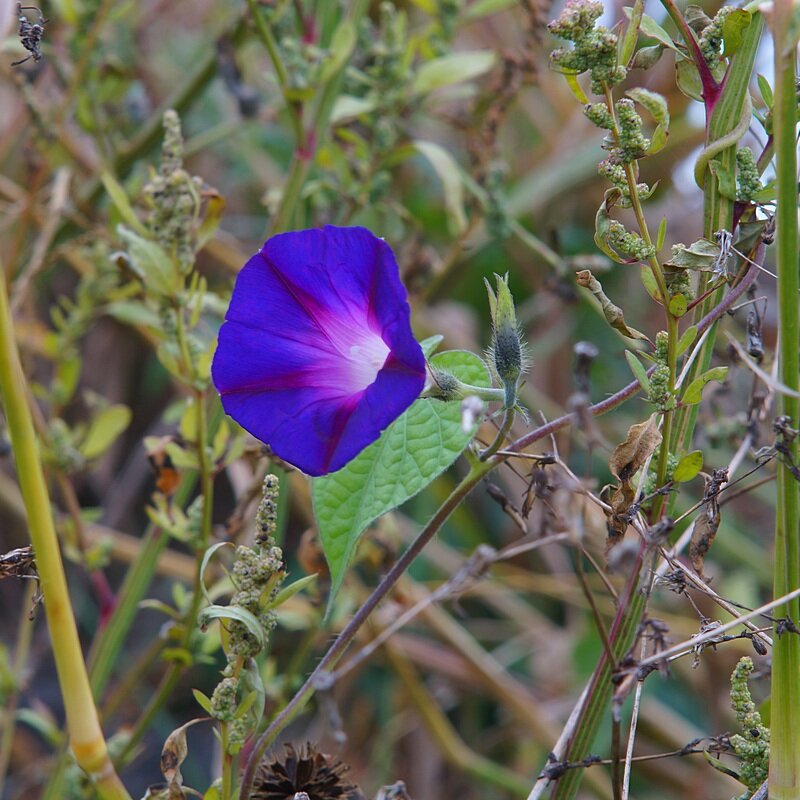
(86, 736)
(784, 768)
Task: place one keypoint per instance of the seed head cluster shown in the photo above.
(257, 574)
(752, 746)
(660, 395)
(748, 180)
(174, 198)
(628, 243)
(711, 37)
(594, 46)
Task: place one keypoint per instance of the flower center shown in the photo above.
(365, 358)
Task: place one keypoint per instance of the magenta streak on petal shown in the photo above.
(362, 350)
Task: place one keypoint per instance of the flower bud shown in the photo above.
(507, 350)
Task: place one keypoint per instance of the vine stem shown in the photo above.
(784, 766)
(85, 733)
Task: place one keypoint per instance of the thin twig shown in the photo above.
(689, 645)
(55, 209)
(637, 699)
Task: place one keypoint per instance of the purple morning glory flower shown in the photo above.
(316, 356)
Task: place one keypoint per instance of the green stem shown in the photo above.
(502, 433)
(226, 791)
(86, 736)
(173, 674)
(632, 602)
(271, 46)
(727, 114)
(784, 767)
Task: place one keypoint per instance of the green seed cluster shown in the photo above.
(633, 143)
(257, 574)
(711, 37)
(300, 67)
(449, 12)
(173, 195)
(628, 243)
(651, 482)
(194, 519)
(267, 513)
(661, 395)
(598, 114)
(748, 180)
(752, 746)
(61, 447)
(238, 731)
(613, 171)
(224, 707)
(679, 281)
(594, 46)
(224, 699)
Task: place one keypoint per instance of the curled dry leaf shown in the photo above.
(612, 313)
(707, 523)
(173, 755)
(617, 520)
(705, 529)
(640, 443)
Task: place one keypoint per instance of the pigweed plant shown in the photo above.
(354, 529)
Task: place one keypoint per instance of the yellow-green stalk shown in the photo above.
(784, 766)
(85, 734)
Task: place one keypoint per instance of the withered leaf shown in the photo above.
(640, 443)
(705, 529)
(617, 520)
(612, 313)
(173, 755)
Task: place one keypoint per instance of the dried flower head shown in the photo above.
(318, 775)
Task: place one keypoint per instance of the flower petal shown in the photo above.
(317, 357)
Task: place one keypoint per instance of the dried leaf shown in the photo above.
(617, 521)
(173, 755)
(640, 443)
(613, 313)
(705, 529)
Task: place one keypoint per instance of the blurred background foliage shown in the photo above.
(439, 125)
